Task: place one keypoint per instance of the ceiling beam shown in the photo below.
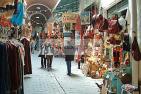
(56, 5)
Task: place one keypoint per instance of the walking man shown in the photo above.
(69, 56)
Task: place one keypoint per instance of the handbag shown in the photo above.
(135, 50)
(126, 79)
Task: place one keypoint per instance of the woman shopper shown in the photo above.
(42, 55)
(32, 44)
(69, 56)
(42, 50)
(49, 52)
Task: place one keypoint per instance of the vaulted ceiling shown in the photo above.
(49, 3)
(39, 11)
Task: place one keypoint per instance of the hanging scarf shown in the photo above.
(17, 18)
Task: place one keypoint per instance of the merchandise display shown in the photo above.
(107, 51)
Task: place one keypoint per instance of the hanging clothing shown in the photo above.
(17, 18)
(11, 68)
(27, 58)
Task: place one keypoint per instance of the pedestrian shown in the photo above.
(42, 55)
(69, 56)
(32, 44)
(81, 60)
(49, 52)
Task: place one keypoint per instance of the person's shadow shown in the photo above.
(74, 76)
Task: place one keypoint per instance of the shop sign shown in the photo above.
(85, 17)
(69, 17)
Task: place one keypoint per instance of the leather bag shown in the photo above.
(135, 50)
(126, 79)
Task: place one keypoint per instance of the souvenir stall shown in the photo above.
(93, 41)
(94, 60)
(107, 53)
(83, 20)
(117, 49)
(118, 46)
(57, 35)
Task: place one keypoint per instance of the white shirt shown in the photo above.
(49, 51)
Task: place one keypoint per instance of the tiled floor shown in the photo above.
(56, 81)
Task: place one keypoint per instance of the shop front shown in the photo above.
(108, 48)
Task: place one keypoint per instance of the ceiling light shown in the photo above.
(37, 17)
(38, 8)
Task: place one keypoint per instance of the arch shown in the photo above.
(38, 4)
(38, 13)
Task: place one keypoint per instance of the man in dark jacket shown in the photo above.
(69, 56)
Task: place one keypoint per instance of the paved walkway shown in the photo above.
(56, 81)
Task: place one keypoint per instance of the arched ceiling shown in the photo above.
(38, 19)
(49, 3)
(39, 11)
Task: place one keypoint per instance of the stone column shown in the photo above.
(133, 27)
(139, 33)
